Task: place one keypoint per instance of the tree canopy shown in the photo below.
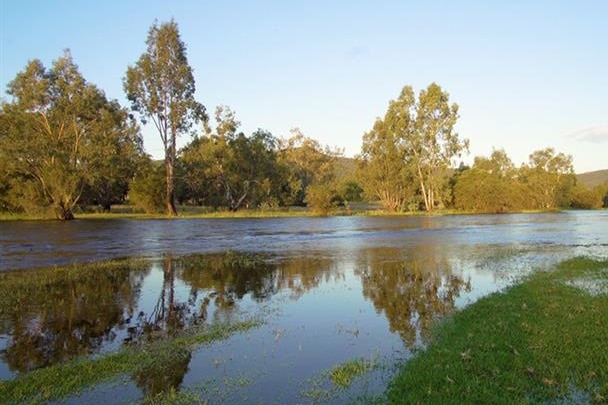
(63, 144)
(414, 141)
(61, 135)
(161, 87)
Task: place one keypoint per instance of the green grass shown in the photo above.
(542, 341)
(61, 381)
(186, 212)
(343, 374)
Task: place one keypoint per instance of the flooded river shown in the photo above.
(328, 290)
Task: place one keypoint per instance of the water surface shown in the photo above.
(329, 289)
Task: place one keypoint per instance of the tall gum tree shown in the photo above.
(161, 87)
(432, 143)
(550, 178)
(381, 169)
(414, 143)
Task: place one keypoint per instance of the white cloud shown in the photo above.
(593, 134)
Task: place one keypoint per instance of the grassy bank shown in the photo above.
(150, 361)
(299, 212)
(542, 341)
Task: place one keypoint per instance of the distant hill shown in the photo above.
(592, 179)
(345, 168)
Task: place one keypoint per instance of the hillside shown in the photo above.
(592, 179)
(345, 168)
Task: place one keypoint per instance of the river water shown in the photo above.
(330, 290)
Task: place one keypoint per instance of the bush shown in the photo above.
(320, 198)
(584, 198)
(147, 190)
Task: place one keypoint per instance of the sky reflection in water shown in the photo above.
(330, 290)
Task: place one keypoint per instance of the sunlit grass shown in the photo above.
(343, 375)
(543, 340)
(187, 212)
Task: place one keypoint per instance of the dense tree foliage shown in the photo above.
(432, 143)
(147, 189)
(550, 179)
(63, 143)
(60, 137)
(161, 88)
(415, 143)
(384, 171)
(489, 186)
(306, 163)
(225, 168)
(545, 182)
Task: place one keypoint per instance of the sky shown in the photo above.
(525, 74)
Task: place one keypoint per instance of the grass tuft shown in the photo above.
(343, 375)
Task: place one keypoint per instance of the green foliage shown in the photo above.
(432, 144)
(549, 177)
(489, 186)
(116, 160)
(494, 185)
(229, 169)
(320, 198)
(415, 143)
(585, 198)
(52, 138)
(161, 88)
(602, 191)
(349, 190)
(304, 162)
(343, 374)
(382, 166)
(147, 190)
(539, 342)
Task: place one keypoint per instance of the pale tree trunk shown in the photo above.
(169, 166)
(170, 193)
(426, 194)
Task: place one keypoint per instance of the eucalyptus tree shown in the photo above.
(431, 142)
(226, 168)
(52, 132)
(116, 158)
(161, 87)
(489, 186)
(550, 178)
(305, 163)
(384, 169)
(415, 143)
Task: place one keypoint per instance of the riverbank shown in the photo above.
(125, 212)
(541, 341)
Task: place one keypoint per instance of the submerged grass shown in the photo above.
(334, 382)
(60, 381)
(542, 341)
(343, 374)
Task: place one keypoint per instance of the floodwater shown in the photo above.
(329, 290)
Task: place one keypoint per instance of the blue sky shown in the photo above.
(526, 74)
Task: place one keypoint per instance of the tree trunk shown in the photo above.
(64, 212)
(170, 193)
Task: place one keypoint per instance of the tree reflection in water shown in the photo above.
(49, 316)
(53, 315)
(414, 292)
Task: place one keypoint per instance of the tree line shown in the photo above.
(64, 144)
